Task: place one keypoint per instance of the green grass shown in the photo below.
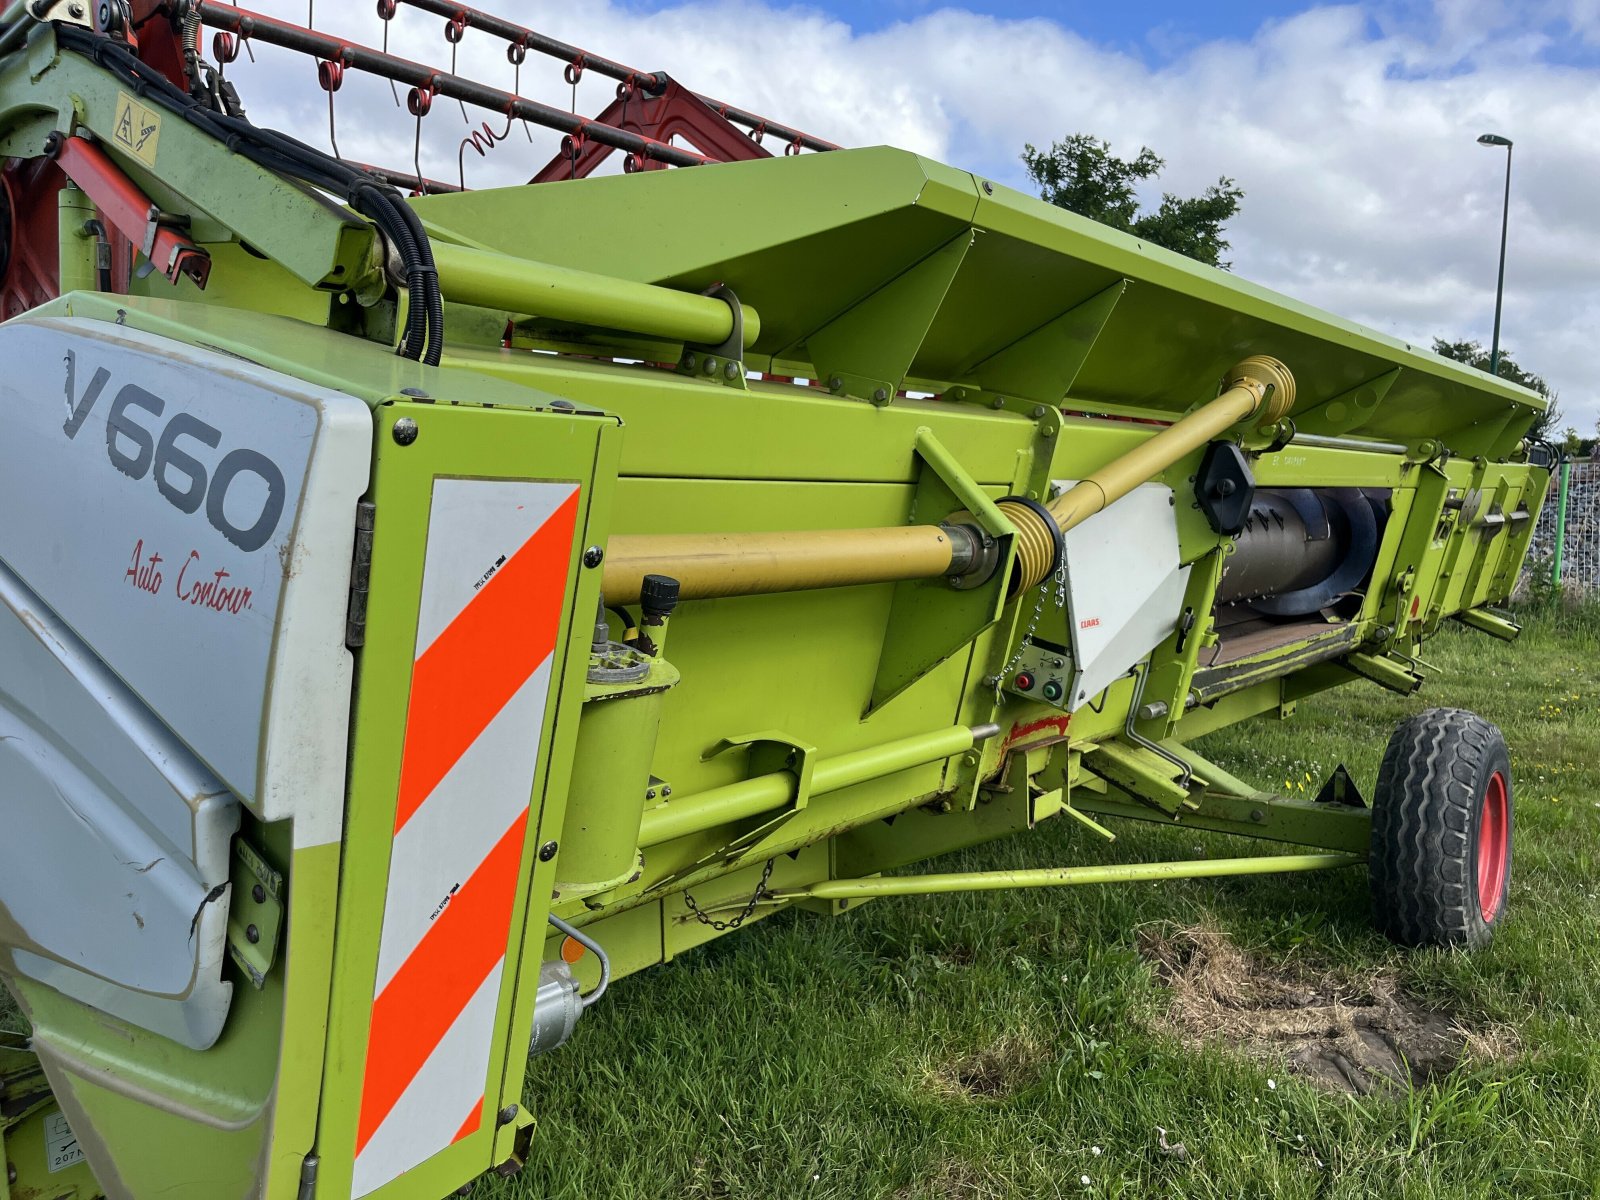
(802, 1059)
(806, 1057)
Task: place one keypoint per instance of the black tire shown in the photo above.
(1441, 835)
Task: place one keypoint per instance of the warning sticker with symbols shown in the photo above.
(138, 129)
(61, 1149)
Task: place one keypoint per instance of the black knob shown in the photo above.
(658, 595)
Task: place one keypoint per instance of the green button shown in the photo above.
(1052, 690)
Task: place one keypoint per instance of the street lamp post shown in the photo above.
(1494, 139)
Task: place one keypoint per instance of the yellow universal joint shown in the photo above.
(1259, 389)
(1270, 381)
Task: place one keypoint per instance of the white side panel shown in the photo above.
(176, 531)
(114, 839)
(190, 518)
(1125, 587)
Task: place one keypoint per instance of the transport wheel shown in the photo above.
(1441, 831)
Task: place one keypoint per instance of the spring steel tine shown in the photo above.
(649, 80)
(385, 15)
(455, 47)
(375, 62)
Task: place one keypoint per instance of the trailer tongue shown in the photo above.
(418, 611)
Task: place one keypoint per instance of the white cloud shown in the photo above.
(1351, 129)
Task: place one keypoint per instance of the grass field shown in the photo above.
(1011, 1045)
(1019, 1045)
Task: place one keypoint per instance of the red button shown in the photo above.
(1024, 682)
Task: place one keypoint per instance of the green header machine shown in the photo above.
(420, 606)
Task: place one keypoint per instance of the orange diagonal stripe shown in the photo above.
(483, 656)
(414, 1012)
(472, 1124)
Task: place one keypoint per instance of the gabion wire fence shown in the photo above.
(1580, 558)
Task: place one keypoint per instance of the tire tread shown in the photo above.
(1435, 771)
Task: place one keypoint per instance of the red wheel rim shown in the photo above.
(1494, 845)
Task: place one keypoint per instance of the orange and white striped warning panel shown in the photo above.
(493, 588)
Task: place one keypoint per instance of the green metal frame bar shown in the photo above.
(528, 288)
(767, 793)
(1493, 624)
(1231, 805)
(991, 881)
(1274, 818)
(1561, 522)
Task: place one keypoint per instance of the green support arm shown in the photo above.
(45, 90)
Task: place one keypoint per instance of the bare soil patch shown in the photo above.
(953, 1180)
(1343, 1034)
(992, 1072)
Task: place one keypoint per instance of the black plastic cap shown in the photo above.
(658, 595)
(1225, 488)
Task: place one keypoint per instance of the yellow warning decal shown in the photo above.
(138, 129)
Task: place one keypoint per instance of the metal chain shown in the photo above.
(756, 897)
(1033, 625)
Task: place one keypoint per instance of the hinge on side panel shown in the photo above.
(255, 912)
(308, 1177)
(355, 628)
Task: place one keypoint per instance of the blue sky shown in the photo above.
(1151, 29)
(1159, 31)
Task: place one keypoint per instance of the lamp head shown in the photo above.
(1493, 139)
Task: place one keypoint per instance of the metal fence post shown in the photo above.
(1561, 522)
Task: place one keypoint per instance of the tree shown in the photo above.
(1474, 355)
(1083, 176)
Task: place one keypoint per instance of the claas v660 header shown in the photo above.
(420, 606)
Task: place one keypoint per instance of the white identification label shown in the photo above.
(61, 1149)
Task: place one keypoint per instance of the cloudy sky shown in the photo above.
(1352, 128)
